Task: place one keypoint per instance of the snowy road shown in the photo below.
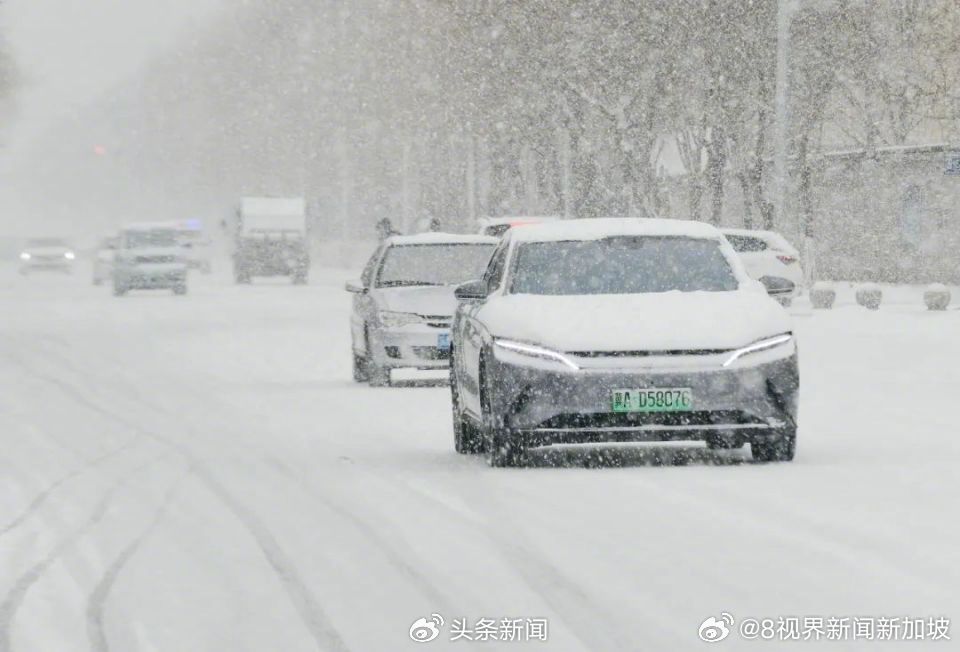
(200, 473)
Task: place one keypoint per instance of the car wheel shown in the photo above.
(378, 376)
(180, 290)
(359, 369)
(498, 441)
(299, 279)
(241, 277)
(779, 449)
(119, 290)
(466, 439)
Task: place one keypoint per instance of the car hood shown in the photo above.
(637, 322)
(434, 300)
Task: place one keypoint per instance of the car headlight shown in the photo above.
(69, 255)
(397, 319)
(535, 352)
(25, 256)
(758, 346)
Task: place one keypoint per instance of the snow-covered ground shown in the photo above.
(200, 473)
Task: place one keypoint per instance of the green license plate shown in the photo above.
(658, 399)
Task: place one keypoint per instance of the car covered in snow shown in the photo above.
(769, 258)
(403, 303)
(148, 257)
(620, 330)
(47, 255)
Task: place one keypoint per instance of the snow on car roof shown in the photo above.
(605, 227)
(770, 237)
(518, 219)
(441, 238)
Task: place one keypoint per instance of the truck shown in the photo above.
(271, 239)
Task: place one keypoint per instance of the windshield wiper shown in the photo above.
(400, 284)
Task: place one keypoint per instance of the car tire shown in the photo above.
(378, 376)
(241, 277)
(778, 449)
(119, 290)
(299, 279)
(359, 369)
(498, 441)
(467, 440)
(180, 290)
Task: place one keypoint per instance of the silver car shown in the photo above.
(403, 304)
(47, 254)
(620, 330)
(149, 257)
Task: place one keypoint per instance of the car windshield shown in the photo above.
(433, 264)
(622, 265)
(46, 242)
(152, 238)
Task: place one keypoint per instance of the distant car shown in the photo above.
(403, 304)
(769, 258)
(497, 226)
(47, 255)
(149, 257)
(620, 330)
(103, 260)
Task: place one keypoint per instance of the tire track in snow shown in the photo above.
(42, 497)
(96, 633)
(15, 596)
(314, 618)
(389, 548)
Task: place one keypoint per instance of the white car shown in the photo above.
(620, 330)
(47, 255)
(403, 303)
(149, 257)
(769, 258)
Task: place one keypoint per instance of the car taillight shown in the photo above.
(786, 260)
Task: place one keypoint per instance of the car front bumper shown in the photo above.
(147, 277)
(411, 347)
(746, 403)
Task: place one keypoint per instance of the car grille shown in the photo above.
(574, 421)
(431, 353)
(154, 260)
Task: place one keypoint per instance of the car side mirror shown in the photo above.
(777, 286)
(471, 291)
(355, 287)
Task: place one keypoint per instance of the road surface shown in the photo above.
(200, 473)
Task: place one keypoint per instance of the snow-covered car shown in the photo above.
(497, 226)
(47, 255)
(149, 257)
(620, 330)
(403, 303)
(769, 258)
(103, 259)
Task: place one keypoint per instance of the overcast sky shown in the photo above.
(71, 51)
